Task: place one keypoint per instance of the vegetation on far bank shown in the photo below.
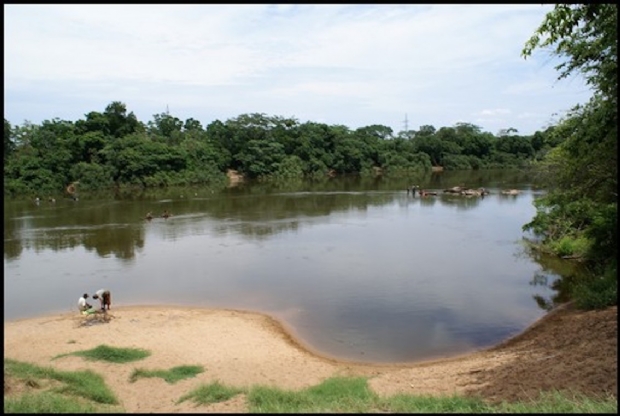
(113, 149)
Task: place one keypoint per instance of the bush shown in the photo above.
(570, 246)
(598, 292)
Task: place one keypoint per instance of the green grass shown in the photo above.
(86, 392)
(110, 354)
(85, 384)
(403, 403)
(49, 402)
(334, 395)
(171, 376)
(211, 393)
(352, 395)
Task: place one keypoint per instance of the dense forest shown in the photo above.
(576, 218)
(114, 149)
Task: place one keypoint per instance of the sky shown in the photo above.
(400, 66)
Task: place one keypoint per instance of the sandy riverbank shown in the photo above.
(566, 350)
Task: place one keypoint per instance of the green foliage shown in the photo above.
(456, 162)
(113, 149)
(9, 145)
(580, 212)
(603, 232)
(110, 354)
(290, 167)
(570, 247)
(119, 123)
(587, 36)
(597, 292)
(134, 157)
(261, 158)
(170, 376)
(92, 176)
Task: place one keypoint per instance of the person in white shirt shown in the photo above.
(104, 297)
(83, 305)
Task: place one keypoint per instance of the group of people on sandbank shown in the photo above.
(103, 295)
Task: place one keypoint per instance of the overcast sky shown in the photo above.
(352, 65)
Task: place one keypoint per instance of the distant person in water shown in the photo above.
(104, 297)
(149, 216)
(166, 214)
(83, 305)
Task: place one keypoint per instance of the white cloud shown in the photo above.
(495, 112)
(345, 64)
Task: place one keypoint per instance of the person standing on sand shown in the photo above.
(104, 297)
(83, 306)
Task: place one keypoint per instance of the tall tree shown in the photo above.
(583, 168)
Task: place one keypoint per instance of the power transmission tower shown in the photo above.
(406, 123)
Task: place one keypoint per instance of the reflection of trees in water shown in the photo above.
(120, 241)
(101, 227)
(256, 210)
(556, 274)
(561, 285)
(12, 248)
(461, 202)
(12, 242)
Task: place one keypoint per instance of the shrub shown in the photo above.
(598, 292)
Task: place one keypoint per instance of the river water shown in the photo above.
(358, 269)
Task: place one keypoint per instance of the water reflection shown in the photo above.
(556, 274)
(118, 227)
(356, 266)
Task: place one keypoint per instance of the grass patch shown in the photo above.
(86, 392)
(171, 376)
(49, 402)
(352, 395)
(404, 403)
(86, 383)
(214, 392)
(110, 354)
(334, 395)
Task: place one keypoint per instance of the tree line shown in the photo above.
(114, 149)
